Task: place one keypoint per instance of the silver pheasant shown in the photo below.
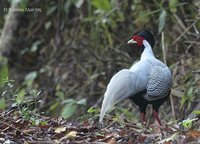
(147, 82)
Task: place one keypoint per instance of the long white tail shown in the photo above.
(121, 86)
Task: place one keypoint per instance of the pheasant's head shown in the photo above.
(144, 35)
(135, 45)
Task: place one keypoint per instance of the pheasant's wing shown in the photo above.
(159, 83)
(122, 85)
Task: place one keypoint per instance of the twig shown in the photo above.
(172, 105)
(118, 51)
(41, 142)
(118, 118)
(192, 42)
(5, 123)
(186, 30)
(179, 21)
(163, 47)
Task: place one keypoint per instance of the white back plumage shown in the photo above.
(120, 87)
(139, 77)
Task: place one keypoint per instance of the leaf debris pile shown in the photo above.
(15, 129)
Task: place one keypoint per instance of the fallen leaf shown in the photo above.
(31, 130)
(193, 133)
(71, 134)
(177, 93)
(111, 141)
(60, 129)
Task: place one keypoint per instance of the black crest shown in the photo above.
(148, 36)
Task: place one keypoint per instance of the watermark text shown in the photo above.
(26, 10)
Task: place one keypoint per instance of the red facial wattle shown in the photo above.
(139, 40)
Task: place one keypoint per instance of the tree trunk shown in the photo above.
(10, 26)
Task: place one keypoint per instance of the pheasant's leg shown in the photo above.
(156, 105)
(155, 114)
(143, 108)
(143, 117)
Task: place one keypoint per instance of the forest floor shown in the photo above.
(15, 129)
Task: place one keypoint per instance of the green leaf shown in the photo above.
(35, 46)
(102, 4)
(69, 101)
(67, 4)
(54, 106)
(23, 4)
(196, 112)
(2, 103)
(43, 123)
(47, 25)
(60, 94)
(183, 100)
(190, 92)
(79, 3)
(3, 71)
(51, 10)
(92, 110)
(177, 93)
(68, 110)
(20, 96)
(3, 75)
(82, 102)
(188, 122)
(162, 20)
(31, 76)
(172, 5)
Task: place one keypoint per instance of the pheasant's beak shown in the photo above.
(131, 41)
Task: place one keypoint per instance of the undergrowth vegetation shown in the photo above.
(64, 56)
